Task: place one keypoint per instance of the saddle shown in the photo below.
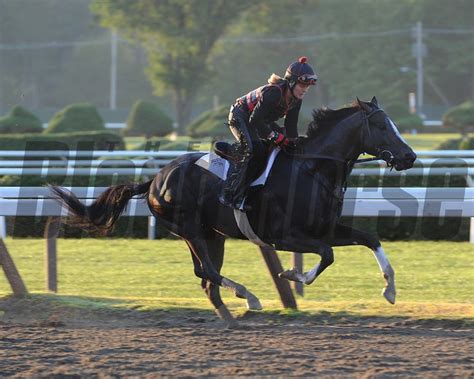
(218, 162)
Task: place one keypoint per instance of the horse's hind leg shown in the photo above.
(347, 236)
(200, 248)
(215, 245)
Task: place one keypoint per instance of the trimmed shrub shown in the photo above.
(60, 141)
(79, 117)
(409, 122)
(396, 110)
(211, 123)
(400, 114)
(467, 144)
(147, 119)
(460, 117)
(450, 144)
(20, 120)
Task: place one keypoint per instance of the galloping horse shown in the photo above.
(297, 210)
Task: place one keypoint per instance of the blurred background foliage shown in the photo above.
(192, 56)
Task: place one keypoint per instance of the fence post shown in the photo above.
(3, 227)
(283, 287)
(298, 264)
(51, 266)
(12, 274)
(151, 227)
(470, 183)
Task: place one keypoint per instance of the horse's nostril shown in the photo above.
(410, 156)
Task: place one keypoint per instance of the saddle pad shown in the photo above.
(219, 166)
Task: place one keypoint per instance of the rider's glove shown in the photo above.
(278, 139)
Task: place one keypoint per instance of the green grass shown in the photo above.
(423, 141)
(434, 279)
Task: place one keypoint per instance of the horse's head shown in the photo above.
(381, 137)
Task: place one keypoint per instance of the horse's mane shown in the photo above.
(326, 117)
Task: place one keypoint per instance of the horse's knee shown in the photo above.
(327, 258)
(212, 292)
(200, 274)
(212, 275)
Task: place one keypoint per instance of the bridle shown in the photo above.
(384, 155)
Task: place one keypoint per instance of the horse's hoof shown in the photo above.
(293, 275)
(253, 304)
(232, 324)
(309, 278)
(226, 316)
(389, 295)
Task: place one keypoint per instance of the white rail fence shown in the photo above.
(377, 202)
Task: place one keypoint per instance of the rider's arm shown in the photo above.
(258, 119)
(291, 121)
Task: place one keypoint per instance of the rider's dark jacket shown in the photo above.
(265, 105)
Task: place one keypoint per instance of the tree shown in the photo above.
(367, 42)
(178, 36)
(260, 44)
(29, 74)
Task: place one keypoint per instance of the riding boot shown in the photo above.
(235, 187)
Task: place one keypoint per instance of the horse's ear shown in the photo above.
(374, 101)
(363, 105)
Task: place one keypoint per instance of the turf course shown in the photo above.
(434, 279)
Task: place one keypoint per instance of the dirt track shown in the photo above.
(193, 343)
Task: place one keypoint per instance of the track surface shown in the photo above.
(85, 343)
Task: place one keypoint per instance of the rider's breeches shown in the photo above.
(251, 152)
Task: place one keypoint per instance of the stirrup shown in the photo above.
(234, 205)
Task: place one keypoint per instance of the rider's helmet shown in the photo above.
(300, 72)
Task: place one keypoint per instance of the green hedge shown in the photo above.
(467, 143)
(20, 227)
(409, 122)
(61, 141)
(428, 228)
(79, 117)
(20, 120)
(400, 114)
(211, 124)
(147, 119)
(461, 117)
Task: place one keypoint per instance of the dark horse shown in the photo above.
(297, 210)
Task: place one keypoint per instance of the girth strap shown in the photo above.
(244, 226)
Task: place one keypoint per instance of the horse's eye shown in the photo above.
(383, 125)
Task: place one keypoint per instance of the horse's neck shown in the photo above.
(340, 143)
(335, 172)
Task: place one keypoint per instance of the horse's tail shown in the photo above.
(102, 214)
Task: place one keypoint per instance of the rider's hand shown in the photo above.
(288, 145)
(278, 138)
(283, 142)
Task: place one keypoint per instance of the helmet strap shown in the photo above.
(291, 86)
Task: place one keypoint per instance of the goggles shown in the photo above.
(307, 79)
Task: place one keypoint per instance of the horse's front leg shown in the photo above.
(305, 244)
(347, 236)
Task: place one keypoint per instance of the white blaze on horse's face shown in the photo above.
(395, 129)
